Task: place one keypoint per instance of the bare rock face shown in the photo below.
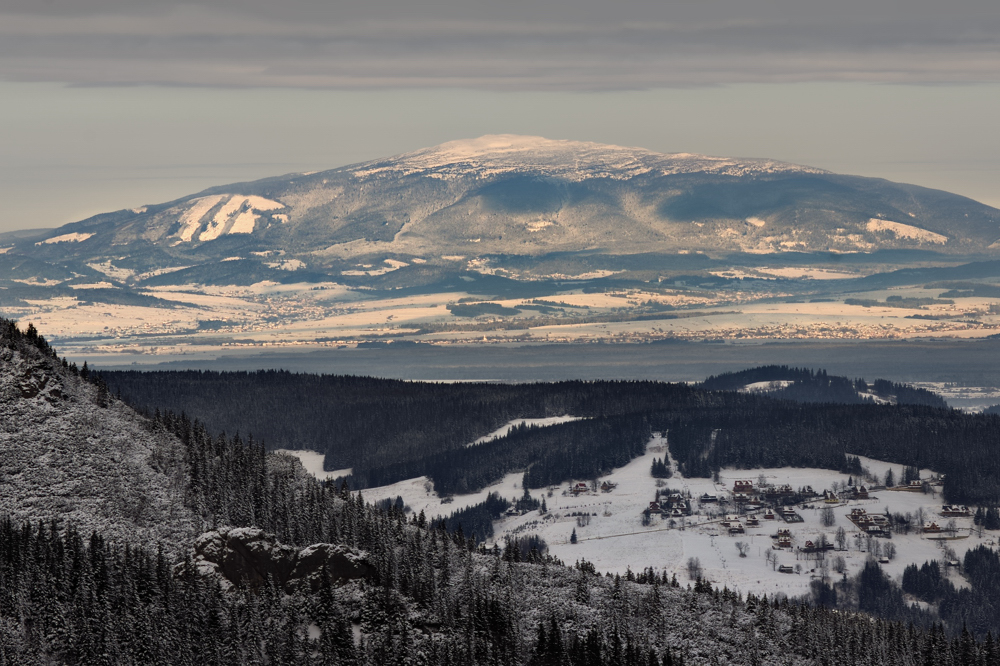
(25, 377)
(250, 556)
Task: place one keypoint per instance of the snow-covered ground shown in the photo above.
(503, 430)
(614, 539)
(66, 238)
(764, 387)
(313, 463)
(909, 231)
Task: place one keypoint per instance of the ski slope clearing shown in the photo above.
(764, 387)
(75, 237)
(611, 534)
(907, 231)
(504, 430)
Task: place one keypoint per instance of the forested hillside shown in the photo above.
(423, 592)
(431, 596)
(389, 430)
(71, 453)
(805, 385)
(368, 423)
(770, 433)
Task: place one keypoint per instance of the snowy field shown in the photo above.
(614, 539)
(503, 430)
(313, 463)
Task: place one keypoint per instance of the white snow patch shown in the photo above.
(900, 230)
(160, 271)
(756, 221)
(504, 430)
(237, 216)
(244, 223)
(75, 237)
(39, 282)
(391, 265)
(313, 463)
(260, 203)
(93, 285)
(191, 219)
(764, 387)
(112, 271)
(879, 468)
(5, 250)
(287, 265)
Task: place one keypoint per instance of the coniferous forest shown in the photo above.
(389, 430)
(432, 596)
(424, 589)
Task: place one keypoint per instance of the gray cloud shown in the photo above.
(554, 45)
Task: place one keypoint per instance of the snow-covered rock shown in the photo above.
(251, 557)
(72, 455)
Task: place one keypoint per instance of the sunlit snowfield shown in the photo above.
(202, 322)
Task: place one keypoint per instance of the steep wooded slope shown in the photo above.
(72, 454)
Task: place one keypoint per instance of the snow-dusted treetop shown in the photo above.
(497, 154)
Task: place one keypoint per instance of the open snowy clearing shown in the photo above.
(502, 431)
(313, 463)
(614, 539)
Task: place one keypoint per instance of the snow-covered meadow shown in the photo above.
(611, 534)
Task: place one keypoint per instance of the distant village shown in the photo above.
(754, 504)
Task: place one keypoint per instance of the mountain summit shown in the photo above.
(513, 196)
(495, 155)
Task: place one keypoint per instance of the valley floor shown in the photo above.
(198, 322)
(614, 539)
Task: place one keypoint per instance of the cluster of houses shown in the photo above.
(913, 487)
(849, 493)
(955, 510)
(934, 528)
(673, 505)
(872, 524)
(733, 524)
(817, 546)
(583, 487)
(744, 492)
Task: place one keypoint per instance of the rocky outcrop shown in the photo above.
(250, 557)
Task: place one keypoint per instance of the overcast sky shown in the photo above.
(115, 103)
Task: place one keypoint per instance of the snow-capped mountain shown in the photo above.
(505, 154)
(504, 195)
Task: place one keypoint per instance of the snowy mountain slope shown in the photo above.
(73, 455)
(514, 195)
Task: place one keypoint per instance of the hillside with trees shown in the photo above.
(417, 589)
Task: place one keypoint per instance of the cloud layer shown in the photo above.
(553, 45)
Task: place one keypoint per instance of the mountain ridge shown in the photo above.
(530, 196)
